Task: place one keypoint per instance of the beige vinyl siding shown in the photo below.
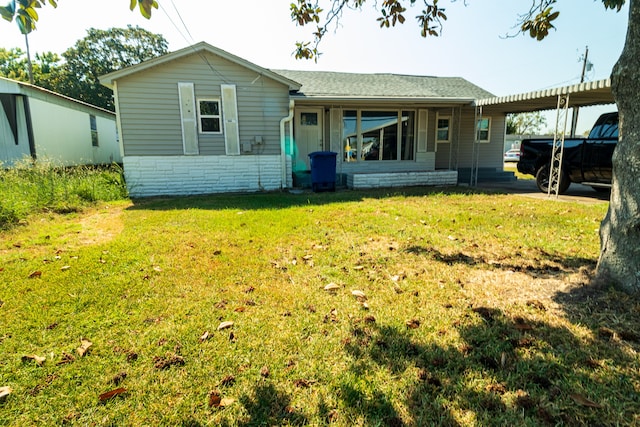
(150, 110)
(490, 153)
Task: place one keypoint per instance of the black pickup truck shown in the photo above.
(585, 160)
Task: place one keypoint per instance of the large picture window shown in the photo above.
(209, 117)
(378, 135)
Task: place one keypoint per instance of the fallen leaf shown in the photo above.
(360, 296)
(157, 268)
(66, 358)
(84, 347)
(226, 402)
(38, 359)
(302, 383)
(581, 400)
(166, 362)
(35, 274)
(204, 336)
(111, 394)
(65, 267)
(216, 401)
(4, 392)
(228, 380)
(264, 372)
(370, 319)
(225, 325)
(118, 378)
(413, 323)
(358, 267)
(332, 316)
(536, 304)
(331, 287)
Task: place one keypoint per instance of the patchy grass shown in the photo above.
(475, 312)
(40, 186)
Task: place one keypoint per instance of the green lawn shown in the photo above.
(471, 310)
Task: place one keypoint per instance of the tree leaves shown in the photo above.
(538, 26)
(145, 6)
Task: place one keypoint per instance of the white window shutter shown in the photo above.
(230, 115)
(422, 130)
(188, 118)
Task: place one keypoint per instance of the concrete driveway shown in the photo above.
(527, 187)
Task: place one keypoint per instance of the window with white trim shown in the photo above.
(443, 128)
(209, 116)
(484, 129)
(94, 130)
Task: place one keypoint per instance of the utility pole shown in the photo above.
(29, 66)
(574, 119)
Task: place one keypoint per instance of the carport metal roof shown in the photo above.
(580, 95)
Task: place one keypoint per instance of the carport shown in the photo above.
(560, 99)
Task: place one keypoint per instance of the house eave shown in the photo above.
(405, 100)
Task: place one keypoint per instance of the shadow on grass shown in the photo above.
(507, 371)
(545, 265)
(282, 199)
(268, 406)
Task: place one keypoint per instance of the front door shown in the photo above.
(307, 135)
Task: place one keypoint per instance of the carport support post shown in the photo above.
(475, 153)
(555, 168)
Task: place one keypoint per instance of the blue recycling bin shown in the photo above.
(323, 170)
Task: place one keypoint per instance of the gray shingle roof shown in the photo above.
(334, 84)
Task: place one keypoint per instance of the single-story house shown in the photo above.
(36, 123)
(201, 120)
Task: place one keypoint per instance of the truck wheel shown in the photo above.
(542, 180)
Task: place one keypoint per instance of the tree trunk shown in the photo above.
(619, 262)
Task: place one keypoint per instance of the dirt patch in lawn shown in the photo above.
(504, 288)
(100, 225)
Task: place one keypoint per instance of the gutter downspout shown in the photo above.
(283, 141)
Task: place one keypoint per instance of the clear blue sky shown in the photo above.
(472, 45)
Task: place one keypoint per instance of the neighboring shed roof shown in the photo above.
(334, 85)
(10, 86)
(580, 95)
(199, 49)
